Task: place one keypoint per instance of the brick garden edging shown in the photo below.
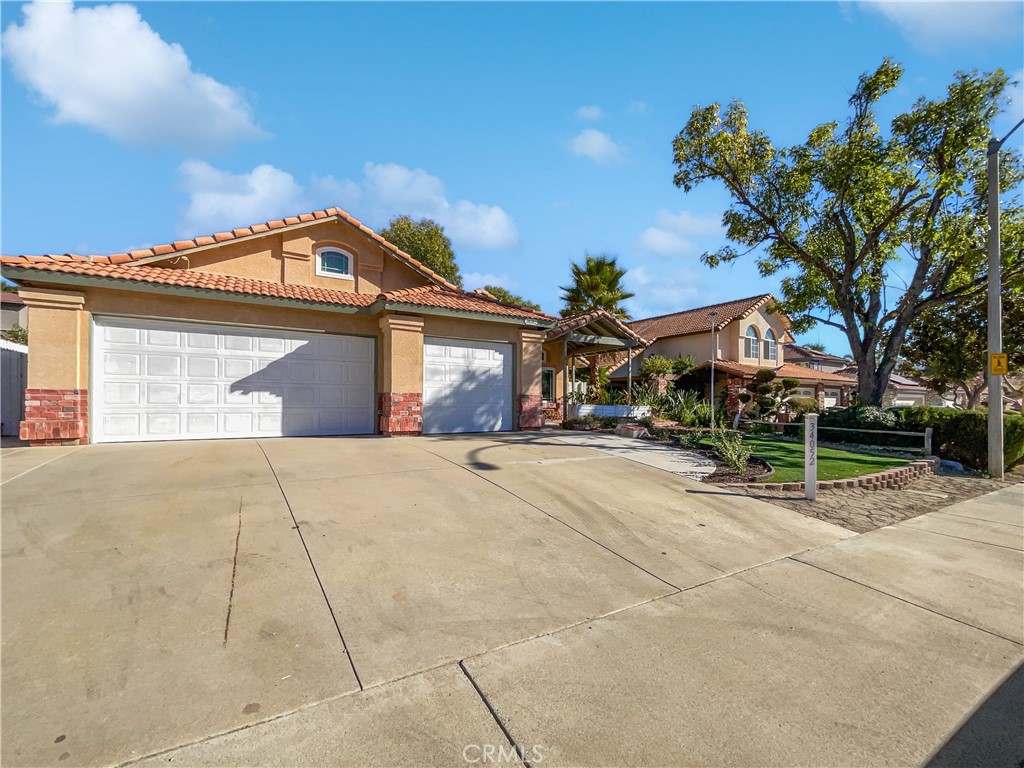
(898, 478)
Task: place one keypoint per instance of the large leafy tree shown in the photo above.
(425, 241)
(510, 298)
(946, 346)
(596, 284)
(853, 212)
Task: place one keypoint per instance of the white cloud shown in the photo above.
(389, 190)
(593, 112)
(659, 292)
(636, 107)
(596, 145)
(674, 233)
(105, 68)
(221, 200)
(934, 26)
(474, 280)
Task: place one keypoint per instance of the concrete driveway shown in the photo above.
(417, 601)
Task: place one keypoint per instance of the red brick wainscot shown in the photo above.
(531, 412)
(401, 413)
(56, 417)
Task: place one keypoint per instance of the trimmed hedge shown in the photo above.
(957, 435)
(963, 435)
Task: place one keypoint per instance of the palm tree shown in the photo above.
(597, 284)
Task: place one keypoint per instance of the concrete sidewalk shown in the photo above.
(669, 458)
(864, 651)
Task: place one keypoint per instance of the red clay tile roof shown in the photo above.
(424, 296)
(158, 252)
(435, 296)
(785, 370)
(699, 320)
(799, 352)
(573, 322)
(140, 273)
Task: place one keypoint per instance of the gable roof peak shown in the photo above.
(185, 247)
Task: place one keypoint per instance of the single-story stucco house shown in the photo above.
(307, 325)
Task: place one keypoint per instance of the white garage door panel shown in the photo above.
(467, 386)
(156, 380)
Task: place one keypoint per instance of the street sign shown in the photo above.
(999, 364)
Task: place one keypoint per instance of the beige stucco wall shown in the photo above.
(400, 356)
(59, 340)
(61, 330)
(762, 322)
(289, 257)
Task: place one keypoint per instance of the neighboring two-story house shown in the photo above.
(308, 325)
(743, 336)
(815, 358)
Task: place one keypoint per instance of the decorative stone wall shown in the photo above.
(56, 417)
(531, 412)
(401, 413)
(898, 478)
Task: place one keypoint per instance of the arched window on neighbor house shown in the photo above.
(750, 343)
(771, 349)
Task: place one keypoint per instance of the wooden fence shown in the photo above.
(13, 380)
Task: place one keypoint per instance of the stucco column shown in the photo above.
(529, 411)
(57, 396)
(400, 396)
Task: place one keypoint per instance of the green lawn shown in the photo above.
(788, 460)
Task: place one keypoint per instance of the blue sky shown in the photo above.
(534, 132)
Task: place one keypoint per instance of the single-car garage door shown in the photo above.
(160, 380)
(467, 386)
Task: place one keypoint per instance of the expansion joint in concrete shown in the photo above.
(497, 718)
(312, 565)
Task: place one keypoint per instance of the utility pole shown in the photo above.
(996, 361)
(714, 354)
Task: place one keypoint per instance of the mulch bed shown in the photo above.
(757, 471)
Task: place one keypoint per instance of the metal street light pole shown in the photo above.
(995, 311)
(714, 354)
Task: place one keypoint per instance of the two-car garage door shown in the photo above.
(157, 380)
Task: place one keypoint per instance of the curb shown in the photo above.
(895, 479)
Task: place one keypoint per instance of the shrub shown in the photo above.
(731, 449)
(655, 365)
(802, 405)
(584, 421)
(609, 422)
(702, 415)
(692, 438)
(16, 334)
(758, 428)
(681, 366)
(963, 435)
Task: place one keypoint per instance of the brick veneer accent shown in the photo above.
(401, 413)
(898, 478)
(531, 412)
(56, 417)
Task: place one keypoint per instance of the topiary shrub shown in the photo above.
(802, 405)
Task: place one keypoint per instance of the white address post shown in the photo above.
(811, 456)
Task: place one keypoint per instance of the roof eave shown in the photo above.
(123, 284)
(402, 306)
